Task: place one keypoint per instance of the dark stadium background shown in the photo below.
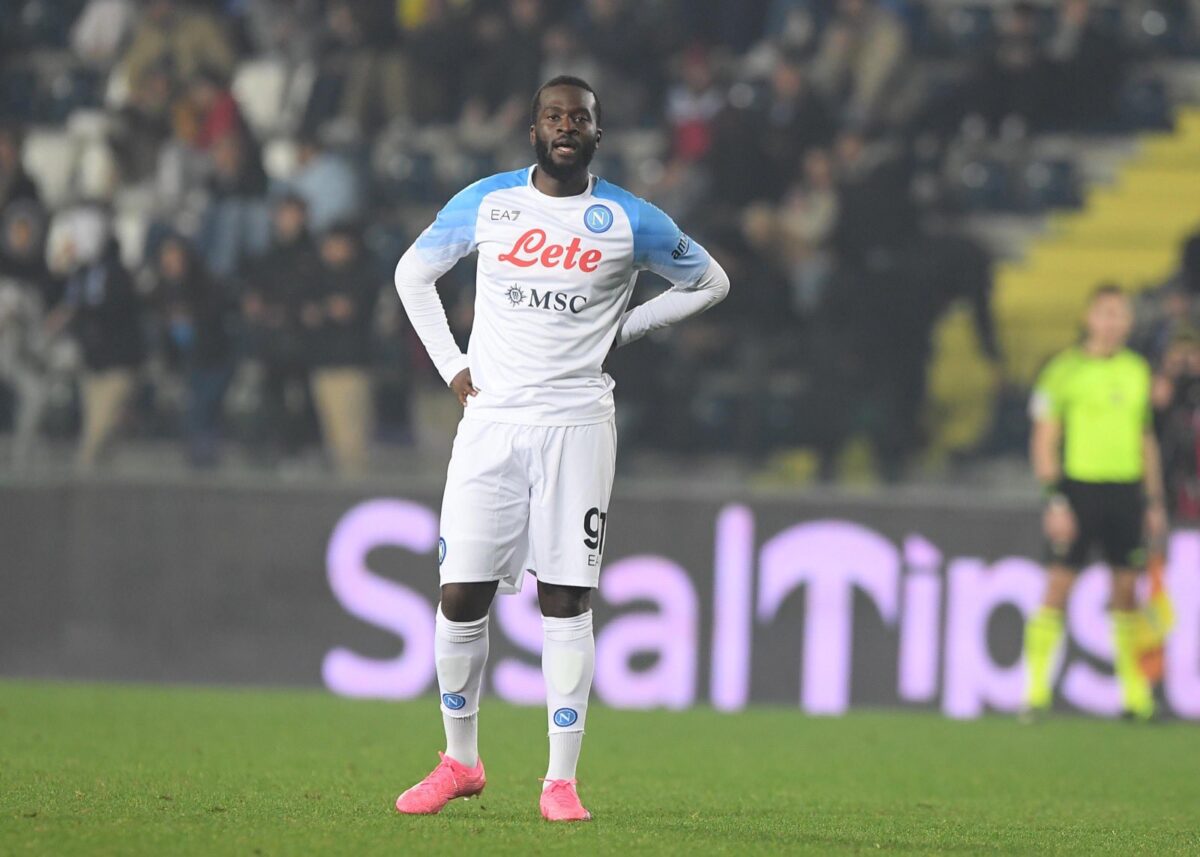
(912, 200)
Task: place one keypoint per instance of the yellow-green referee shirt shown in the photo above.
(1103, 404)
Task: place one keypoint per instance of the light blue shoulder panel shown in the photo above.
(658, 244)
(452, 235)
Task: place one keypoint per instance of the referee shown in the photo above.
(1094, 451)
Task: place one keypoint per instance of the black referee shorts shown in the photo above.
(1109, 517)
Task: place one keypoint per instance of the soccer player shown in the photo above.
(1094, 451)
(530, 476)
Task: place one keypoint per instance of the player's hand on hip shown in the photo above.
(1058, 522)
(462, 386)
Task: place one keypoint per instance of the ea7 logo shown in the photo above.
(505, 214)
(682, 247)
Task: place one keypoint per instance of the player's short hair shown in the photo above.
(561, 80)
(1106, 290)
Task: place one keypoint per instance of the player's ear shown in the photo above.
(533, 135)
(599, 134)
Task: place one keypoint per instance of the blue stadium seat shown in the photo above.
(1108, 16)
(18, 88)
(386, 242)
(922, 33)
(407, 177)
(968, 27)
(1048, 183)
(614, 169)
(66, 92)
(983, 185)
(1144, 104)
(717, 410)
(1162, 28)
(47, 23)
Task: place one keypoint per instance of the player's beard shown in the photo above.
(562, 172)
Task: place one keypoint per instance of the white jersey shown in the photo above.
(555, 275)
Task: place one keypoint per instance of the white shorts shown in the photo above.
(527, 497)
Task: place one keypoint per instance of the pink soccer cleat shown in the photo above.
(450, 779)
(560, 802)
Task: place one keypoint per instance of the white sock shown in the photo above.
(460, 650)
(568, 661)
(564, 755)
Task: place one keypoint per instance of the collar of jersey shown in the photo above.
(559, 200)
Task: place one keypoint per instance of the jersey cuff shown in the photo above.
(451, 369)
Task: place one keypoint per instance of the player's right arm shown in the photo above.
(697, 281)
(1045, 454)
(1045, 442)
(449, 238)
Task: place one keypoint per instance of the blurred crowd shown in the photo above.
(201, 203)
(1168, 334)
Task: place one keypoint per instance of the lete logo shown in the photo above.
(531, 249)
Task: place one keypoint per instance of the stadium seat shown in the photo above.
(983, 185)
(406, 177)
(130, 228)
(719, 407)
(116, 88)
(97, 171)
(456, 168)
(86, 226)
(1127, 232)
(279, 157)
(49, 157)
(386, 242)
(47, 22)
(1144, 104)
(259, 87)
(1048, 183)
(922, 34)
(1160, 28)
(87, 124)
(968, 27)
(18, 93)
(65, 92)
(296, 96)
(615, 170)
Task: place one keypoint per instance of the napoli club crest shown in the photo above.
(598, 218)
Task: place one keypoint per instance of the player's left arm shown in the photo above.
(697, 280)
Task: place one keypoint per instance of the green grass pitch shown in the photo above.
(88, 769)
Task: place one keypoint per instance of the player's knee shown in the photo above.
(467, 602)
(563, 602)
